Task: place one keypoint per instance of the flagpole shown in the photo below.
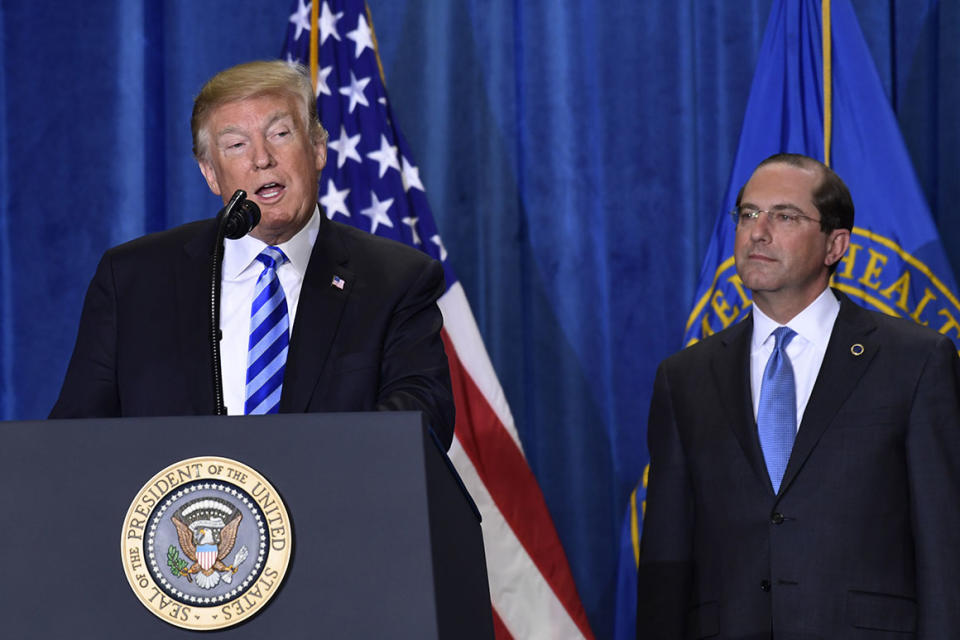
(376, 45)
(827, 83)
(314, 43)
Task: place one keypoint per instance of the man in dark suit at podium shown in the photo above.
(315, 316)
(805, 463)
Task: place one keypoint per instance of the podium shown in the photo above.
(386, 542)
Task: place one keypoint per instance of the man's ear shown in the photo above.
(210, 176)
(320, 154)
(837, 243)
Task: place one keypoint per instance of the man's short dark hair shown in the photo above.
(831, 196)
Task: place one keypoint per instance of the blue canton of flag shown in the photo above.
(370, 181)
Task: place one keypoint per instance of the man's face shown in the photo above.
(261, 145)
(786, 267)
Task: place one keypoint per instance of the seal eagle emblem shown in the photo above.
(207, 531)
(206, 543)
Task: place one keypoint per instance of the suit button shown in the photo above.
(765, 585)
(776, 518)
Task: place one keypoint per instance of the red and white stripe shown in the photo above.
(531, 587)
(206, 559)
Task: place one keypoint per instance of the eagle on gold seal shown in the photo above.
(207, 531)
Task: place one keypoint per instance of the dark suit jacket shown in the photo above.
(863, 540)
(143, 349)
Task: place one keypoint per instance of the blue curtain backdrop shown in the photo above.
(575, 155)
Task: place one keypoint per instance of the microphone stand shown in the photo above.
(234, 221)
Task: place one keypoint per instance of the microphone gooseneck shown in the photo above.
(234, 221)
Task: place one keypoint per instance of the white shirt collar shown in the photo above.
(814, 324)
(239, 254)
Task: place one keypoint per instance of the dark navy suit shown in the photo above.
(143, 350)
(863, 540)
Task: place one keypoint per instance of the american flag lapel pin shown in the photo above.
(338, 282)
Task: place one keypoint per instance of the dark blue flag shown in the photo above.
(799, 100)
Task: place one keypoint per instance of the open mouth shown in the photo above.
(270, 191)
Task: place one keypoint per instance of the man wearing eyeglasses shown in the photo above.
(805, 463)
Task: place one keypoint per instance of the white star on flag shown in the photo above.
(361, 36)
(335, 201)
(412, 223)
(355, 91)
(437, 241)
(377, 212)
(328, 23)
(385, 156)
(301, 18)
(410, 175)
(322, 86)
(346, 147)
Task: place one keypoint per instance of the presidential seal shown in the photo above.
(206, 543)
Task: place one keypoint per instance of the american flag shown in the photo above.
(372, 182)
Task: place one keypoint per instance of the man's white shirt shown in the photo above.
(813, 326)
(240, 272)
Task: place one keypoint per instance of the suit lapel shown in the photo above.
(840, 372)
(318, 317)
(193, 320)
(731, 371)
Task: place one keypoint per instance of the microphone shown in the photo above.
(240, 215)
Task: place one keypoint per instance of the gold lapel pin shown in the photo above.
(857, 349)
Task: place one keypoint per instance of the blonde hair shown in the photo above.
(246, 81)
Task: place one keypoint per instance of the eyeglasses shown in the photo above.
(784, 219)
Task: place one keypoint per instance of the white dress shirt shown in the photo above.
(813, 326)
(240, 272)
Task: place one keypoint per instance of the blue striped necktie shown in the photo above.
(269, 337)
(777, 413)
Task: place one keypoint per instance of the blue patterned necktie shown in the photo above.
(777, 414)
(269, 337)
